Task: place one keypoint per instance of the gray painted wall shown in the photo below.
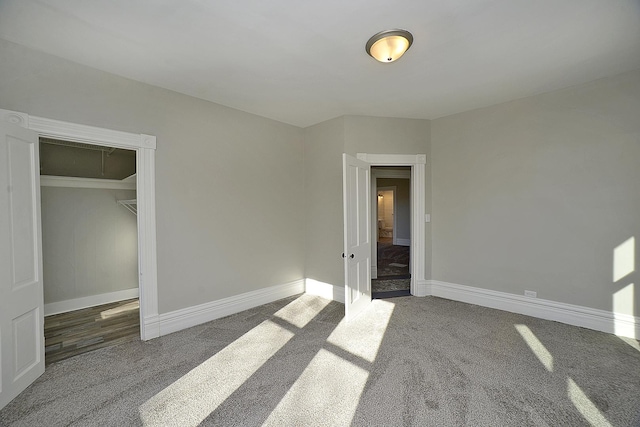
(386, 135)
(323, 148)
(403, 205)
(532, 194)
(89, 243)
(537, 193)
(229, 185)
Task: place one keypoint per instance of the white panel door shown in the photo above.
(21, 293)
(357, 239)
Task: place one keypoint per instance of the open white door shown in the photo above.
(357, 241)
(21, 293)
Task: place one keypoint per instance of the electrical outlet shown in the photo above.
(532, 294)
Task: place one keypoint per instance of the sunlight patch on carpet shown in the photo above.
(328, 389)
(301, 311)
(331, 386)
(585, 406)
(197, 394)
(363, 335)
(193, 397)
(536, 346)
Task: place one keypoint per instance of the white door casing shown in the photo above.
(419, 284)
(21, 292)
(357, 239)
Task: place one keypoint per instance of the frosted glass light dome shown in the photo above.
(389, 45)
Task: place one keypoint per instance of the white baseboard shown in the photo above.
(325, 290)
(90, 301)
(191, 316)
(151, 327)
(599, 320)
(422, 288)
(402, 242)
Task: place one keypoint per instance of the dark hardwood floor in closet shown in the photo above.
(80, 331)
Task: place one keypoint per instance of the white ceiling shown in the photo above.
(303, 62)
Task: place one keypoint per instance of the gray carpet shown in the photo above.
(404, 361)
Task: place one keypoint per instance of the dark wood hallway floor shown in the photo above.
(80, 331)
(393, 270)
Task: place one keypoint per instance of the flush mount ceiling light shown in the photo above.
(389, 45)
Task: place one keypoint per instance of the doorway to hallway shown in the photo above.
(391, 267)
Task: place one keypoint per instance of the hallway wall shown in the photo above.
(403, 205)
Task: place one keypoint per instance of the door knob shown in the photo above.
(351, 256)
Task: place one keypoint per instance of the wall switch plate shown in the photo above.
(427, 217)
(531, 294)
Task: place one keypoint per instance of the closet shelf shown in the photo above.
(131, 205)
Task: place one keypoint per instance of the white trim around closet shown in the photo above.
(145, 146)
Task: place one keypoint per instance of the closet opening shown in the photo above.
(89, 247)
